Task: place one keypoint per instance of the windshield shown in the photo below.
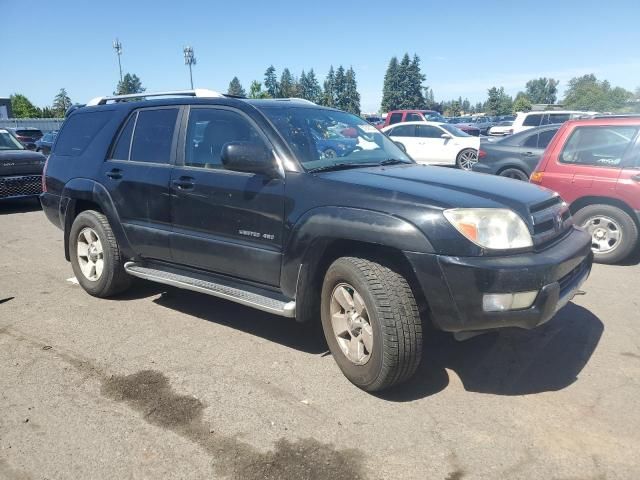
(9, 142)
(322, 138)
(455, 131)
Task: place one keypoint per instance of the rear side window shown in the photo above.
(78, 131)
(532, 120)
(121, 148)
(395, 118)
(153, 135)
(598, 146)
(402, 131)
(531, 141)
(545, 137)
(413, 117)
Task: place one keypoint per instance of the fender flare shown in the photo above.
(79, 189)
(318, 227)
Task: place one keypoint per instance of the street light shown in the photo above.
(117, 46)
(189, 59)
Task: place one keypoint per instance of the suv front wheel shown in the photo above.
(95, 256)
(371, 322)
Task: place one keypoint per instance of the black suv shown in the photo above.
(237, 198)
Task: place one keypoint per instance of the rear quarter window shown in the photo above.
(532, 120)
(78, 132)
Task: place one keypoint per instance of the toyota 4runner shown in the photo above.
(237, 199)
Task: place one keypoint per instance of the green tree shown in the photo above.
(129, 84)
(235, 88)
(312, 87)
(255, 90)
(271, 82)
(351, 101)
(542, 90)
(466, 106)
(340, 88)
(391, 88)
(498, 102)
(589, 93)
(287, 84)
(414, 87)
(329, 98)
(479, 108)
(48, 112)
(453, 109)
(521, 103)
(61, 103)
(22, 107)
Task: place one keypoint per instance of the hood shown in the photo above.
(16, 162)
(442, 188)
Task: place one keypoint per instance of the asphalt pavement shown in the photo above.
(164, 383)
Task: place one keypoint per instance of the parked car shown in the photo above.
(45, 143)
(374, 120)
(504, 127)
(595, 165)
(526, 120)
(466, 125)
(332, 144)
(435, 143)
(483, 124)
(255, 214)
(20, 169)
(27, 136)
(401, 116)
(515, 156)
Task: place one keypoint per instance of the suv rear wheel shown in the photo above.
(95, 256)
(514, 173)
(614, 234)
(371, 322)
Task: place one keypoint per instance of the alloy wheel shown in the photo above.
(351, 325)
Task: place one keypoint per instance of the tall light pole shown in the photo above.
(117, 46)
(189, 59)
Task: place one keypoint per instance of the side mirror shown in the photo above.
(401, 146)
(248, 157)
(446, 136)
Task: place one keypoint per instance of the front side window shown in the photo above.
(209, 130)
(598, 146)
(153, 135)
(395, 118)
(428, 131)
(455, 131)
(532, 120)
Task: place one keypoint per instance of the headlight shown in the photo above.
(495, 228)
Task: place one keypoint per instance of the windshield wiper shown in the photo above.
(392, 161)
(341, 166)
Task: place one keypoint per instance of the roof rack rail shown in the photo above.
(198, 92)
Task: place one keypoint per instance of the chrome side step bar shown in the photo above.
(266, 301)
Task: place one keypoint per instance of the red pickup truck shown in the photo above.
(595, 166)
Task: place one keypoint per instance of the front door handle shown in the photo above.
(528, 154)
(115, 174)
(636, 178)
(184, 183)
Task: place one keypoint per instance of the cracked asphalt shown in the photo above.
(163, 383)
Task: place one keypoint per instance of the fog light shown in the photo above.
(500, 302)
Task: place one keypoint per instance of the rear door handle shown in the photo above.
(636, 178)
(115, 173)
(184, 183)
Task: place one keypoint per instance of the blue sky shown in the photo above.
(465, 46)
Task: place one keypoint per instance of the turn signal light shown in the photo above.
(536, 177)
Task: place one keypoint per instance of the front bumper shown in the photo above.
(454, 286)
(20, 186)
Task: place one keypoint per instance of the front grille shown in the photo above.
(567, 281)
(24, 185)
(551, 220)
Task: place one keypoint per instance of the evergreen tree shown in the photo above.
(61, 103)
(48, 112)
(351, 96)
(314, 92)
(303, 86)
(235, 88)
(416, 78)
(22, 107)
(405, 83)
(329, 94)
(129, 84)
(391, 88)
(339, 88)
(479, 108)
(466, 106)
(271, 82)
(287, 85)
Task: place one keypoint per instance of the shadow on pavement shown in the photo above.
(510, 362)
(21, 205)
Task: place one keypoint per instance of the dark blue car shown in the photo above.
(332, 145)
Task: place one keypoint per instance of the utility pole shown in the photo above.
(189, 59)
(117, 46)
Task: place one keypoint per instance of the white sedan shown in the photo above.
(436, 143)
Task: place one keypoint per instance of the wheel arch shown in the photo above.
(598, 200)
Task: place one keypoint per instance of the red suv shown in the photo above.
(595, 166)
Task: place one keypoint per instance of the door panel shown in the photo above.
(223, 221)
(137, 177)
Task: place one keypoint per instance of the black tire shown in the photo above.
(515, 173)
(462, 163)
(114, 278)
(394, 318)
(588, 216)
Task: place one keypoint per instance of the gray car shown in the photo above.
(515, 156)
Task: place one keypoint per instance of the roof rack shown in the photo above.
(198, 92)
